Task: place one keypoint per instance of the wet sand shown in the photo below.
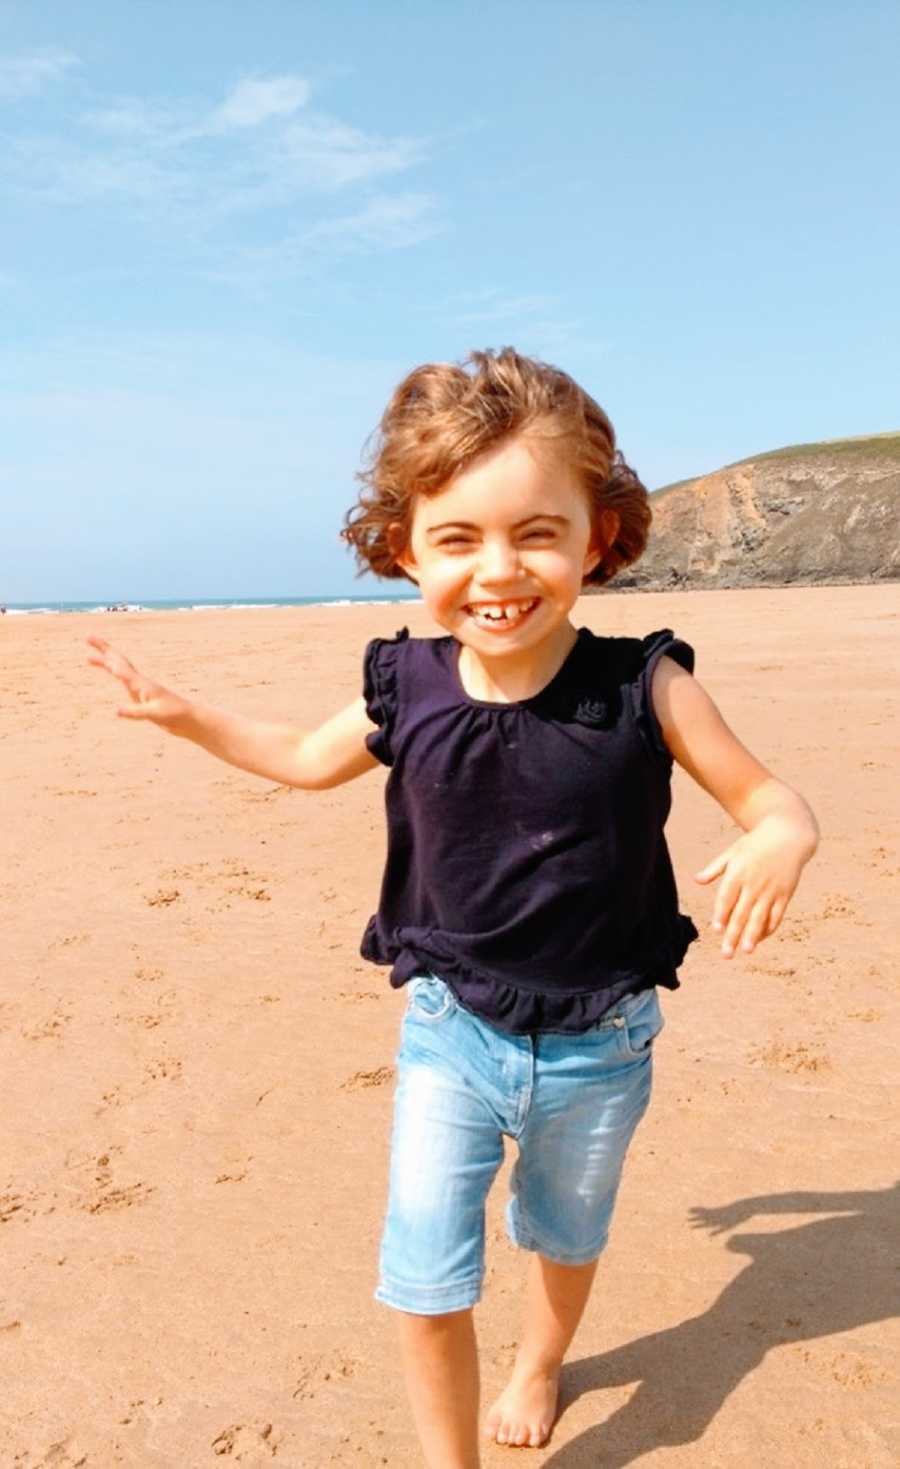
(198, 1076)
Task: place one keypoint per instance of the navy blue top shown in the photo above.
(526, 861)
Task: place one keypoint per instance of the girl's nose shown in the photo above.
(498, 562)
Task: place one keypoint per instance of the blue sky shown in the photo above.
(227, 230)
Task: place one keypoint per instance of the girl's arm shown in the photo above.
(761, 869)
(312, 760)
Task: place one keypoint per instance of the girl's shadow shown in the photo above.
(816, 1279)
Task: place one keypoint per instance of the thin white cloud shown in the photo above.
(25, 76)
(193, 171)
(62, 172)
(507, 308)
(535, 324)
(324, 152)
(145, 123)
(250, 152)
(168, 125)
(385, 223)
(257, 99)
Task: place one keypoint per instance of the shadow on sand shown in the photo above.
(827, 1276)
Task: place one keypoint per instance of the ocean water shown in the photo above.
(203, 604)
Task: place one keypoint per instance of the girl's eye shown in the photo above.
(460, 543)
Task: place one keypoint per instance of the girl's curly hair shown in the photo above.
(443, 416)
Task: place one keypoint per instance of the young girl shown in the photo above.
(528, 903)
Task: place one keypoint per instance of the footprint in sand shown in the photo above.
(50, 1029)
(836, 905)
(163, 1068)
(793, 931)
(148, 975)
(62, 1455)
(101, 1196)
(847, 1371)
(242, 1442)
(793, 1059)
(776, 971)
(359, 1079)
(164, 898)
(317, 1371)
(68, 941)
(17, 1206)
(120, 1198)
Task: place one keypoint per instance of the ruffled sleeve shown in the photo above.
(380, 680)
(653, 647)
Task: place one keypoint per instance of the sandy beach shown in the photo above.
(198, 1075)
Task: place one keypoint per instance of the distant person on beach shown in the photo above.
(528, 903)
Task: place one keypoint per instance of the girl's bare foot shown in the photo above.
(525, 1411)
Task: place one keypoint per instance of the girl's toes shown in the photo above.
(521, 1437)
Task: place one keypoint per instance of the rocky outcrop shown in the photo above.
(812, 514)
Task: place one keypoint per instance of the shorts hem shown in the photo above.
(525, 1241)
(429, 1300)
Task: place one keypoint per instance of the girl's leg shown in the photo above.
(441, 1364)
(556, 1297)
(590, 1093)
(446, 1148)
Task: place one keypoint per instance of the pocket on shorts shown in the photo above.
(643, 1022)
(429, 999)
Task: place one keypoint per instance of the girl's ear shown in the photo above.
(400, 549)
(606, 528)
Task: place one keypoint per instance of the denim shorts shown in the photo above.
(571, 1102)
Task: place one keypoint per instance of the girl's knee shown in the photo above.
(432, 1324)
(564, 1269)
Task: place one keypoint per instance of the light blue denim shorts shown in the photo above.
(571, 1102)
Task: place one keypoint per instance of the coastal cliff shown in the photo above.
(806, 515)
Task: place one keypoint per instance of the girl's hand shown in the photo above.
(759, 873)
(149, 700)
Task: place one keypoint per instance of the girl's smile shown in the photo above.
(501, 617)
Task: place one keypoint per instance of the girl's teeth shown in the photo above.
(507, 612)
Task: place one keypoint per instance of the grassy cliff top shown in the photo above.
(879, 446)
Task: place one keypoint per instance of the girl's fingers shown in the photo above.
(776, 914)
(713, 869)
(757, 925)
(148, 700)
(138, 688)
(739, 916)
(125, 675)
(110, 658)
(726, 897)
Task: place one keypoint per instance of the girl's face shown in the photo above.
(500, 554)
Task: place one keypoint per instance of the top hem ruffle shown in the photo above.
(508, 1006)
